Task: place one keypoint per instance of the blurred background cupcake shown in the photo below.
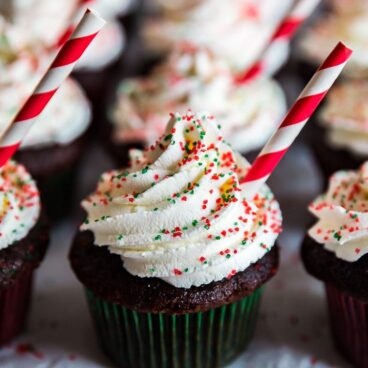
(340, 136)
(100, 61)
(173, 244)
(24, 237)
(344, 21)
(226, 28)
(335, 251)
(194, 77)
(54, 146)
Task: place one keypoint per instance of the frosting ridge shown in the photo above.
(342, 215)
(179, 213)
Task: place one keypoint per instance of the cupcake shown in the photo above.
(99, 63)
(335, 252)
(52, 149)
(340, 139)
(172, 255)
(346, 21)
(223, 26)
(24, 237)
(249, 112)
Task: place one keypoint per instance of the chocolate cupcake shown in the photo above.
(173, 256)
(54, 145)
(343, 21)
(224, 27)
(335, 251)
(24, 236)
(194, 77)
(340, 137)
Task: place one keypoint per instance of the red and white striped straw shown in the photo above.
(58, 71)
(299, 12)
(296, 118)
(78, 13)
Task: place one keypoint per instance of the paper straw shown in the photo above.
(58, 71)
(296, 118)
(79, 11)
(300, 11)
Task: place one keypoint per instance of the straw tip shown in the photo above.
(342, 46)
(96, 15)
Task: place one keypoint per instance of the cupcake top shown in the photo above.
(195, 77)
(21, 66)
(346, 22)
(36, 16)
(19, 203)
(56, 17)
(345, 116)
(179, 212)
(223, 26)
(342, 215)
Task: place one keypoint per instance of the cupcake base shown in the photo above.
(103, 273)
(55, 171)
(349, 325)
(198, 340)
(346, 285)
(14, 306)
(146, 322)
(17, 265)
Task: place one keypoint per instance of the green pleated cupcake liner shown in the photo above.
(159, 340)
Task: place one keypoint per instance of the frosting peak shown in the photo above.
(179, 212)
(343, 215)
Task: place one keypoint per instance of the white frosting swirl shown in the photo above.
(343, 23)
(194, 77)
(345, 116)
(19, 203)
(56, 16)
(343, 215)
(223, 26)
(179, 213)
(42, 20)
(65, 118)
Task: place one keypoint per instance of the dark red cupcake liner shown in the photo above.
(14, 306)
(349, 325)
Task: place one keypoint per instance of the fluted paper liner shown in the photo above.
(196, 340)
(14, 306)
(349, 325)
